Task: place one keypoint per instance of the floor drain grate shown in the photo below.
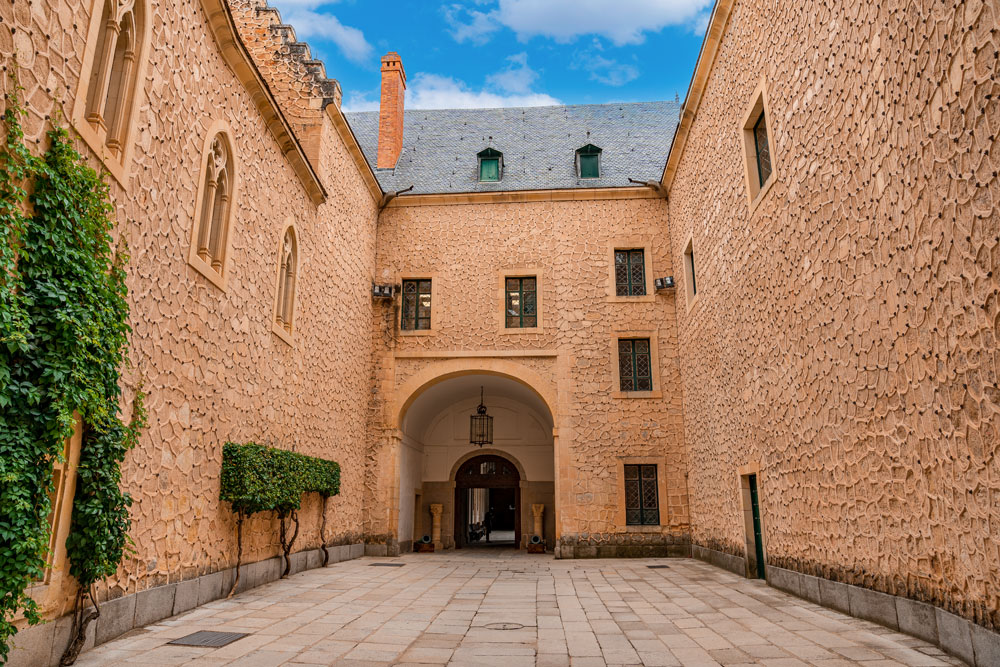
(386, 564)
(658, 567)
(504, 626)
(209, 638)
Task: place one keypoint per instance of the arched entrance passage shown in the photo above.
(432, 410)
(487, 502)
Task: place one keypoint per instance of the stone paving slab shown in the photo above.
(509, 609)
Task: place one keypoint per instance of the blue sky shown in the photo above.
(488, 53)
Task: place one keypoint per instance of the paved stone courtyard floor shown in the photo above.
(488, 607)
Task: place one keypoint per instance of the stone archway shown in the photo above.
(494, 474)
(430, 412)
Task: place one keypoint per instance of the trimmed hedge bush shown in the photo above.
(256, 478)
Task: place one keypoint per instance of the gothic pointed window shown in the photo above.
(114, 74)
(213, 218)
(287, 274)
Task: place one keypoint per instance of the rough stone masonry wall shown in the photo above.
(846, 335)
(465, 247)
(211, 366)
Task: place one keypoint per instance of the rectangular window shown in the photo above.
(689, 270)
(630, 272)
(521, 303)
(635, 367)
(489, 169)
(761, 150)
(642, 507)
(416, 305)
(590, 166)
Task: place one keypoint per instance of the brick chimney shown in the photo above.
(390, 114)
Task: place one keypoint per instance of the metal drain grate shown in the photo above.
(658, 567)
(504, 626)
(209, 638)
(386, 564)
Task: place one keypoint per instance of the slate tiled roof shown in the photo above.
(538, 144)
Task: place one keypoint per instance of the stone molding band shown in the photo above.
(960, 637)
(43, 645)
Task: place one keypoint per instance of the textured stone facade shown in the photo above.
(844, 337)
(842, 346)
(207, 358)
(466, 249)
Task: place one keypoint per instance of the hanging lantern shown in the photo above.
(481, 425)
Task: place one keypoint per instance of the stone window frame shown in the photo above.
(58, 585)
(92, 131)
(758, 104)
(631, 243)
(743, 488)
(661, 488)
(502, 276)
(434, 277)
(220, 279)
(282, 329)
(654, 361)
(690, 273)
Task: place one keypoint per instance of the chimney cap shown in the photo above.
(391, 62)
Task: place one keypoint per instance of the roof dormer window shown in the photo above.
(588, 162)
(490, 165)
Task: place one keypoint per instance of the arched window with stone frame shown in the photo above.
(106, 104)
(213, 213)
(288, 267)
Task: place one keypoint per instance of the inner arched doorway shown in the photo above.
(487, 502)
(432, 476)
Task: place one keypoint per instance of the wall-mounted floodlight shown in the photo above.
(664, 283)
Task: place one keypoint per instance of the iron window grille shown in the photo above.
(630, 272)
(521, 305)
(762, 150)
(642, 507)
(588, 162)
(416, 315)
(635, 366)
(490, 165)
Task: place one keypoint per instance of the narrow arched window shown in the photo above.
(213, 223)
(284, 312)
(113, 77)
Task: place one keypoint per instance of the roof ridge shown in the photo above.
(541, 106)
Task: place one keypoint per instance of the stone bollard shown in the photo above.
(537, 510)
(436, 510)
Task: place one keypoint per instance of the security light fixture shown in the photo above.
(481, 425)
(664, 283)
(382, 291)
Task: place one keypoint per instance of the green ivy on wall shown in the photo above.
(63, 342)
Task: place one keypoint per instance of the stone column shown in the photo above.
(537, 509)
(436, 510)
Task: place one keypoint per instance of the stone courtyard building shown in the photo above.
(759, 328)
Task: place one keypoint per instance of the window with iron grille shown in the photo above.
(630, 272)
(635, 366)
(642, 507)
(416, 315)
(761, 150)
(521, 304)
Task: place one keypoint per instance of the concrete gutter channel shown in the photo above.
(960, 637)
(43, 645)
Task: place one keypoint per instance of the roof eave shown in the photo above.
(519, 196)
(696, 89)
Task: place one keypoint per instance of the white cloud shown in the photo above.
(310, 23)
(433, 91)
(477, 27)
(603, 70)
(517, 77)
(621, 21)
